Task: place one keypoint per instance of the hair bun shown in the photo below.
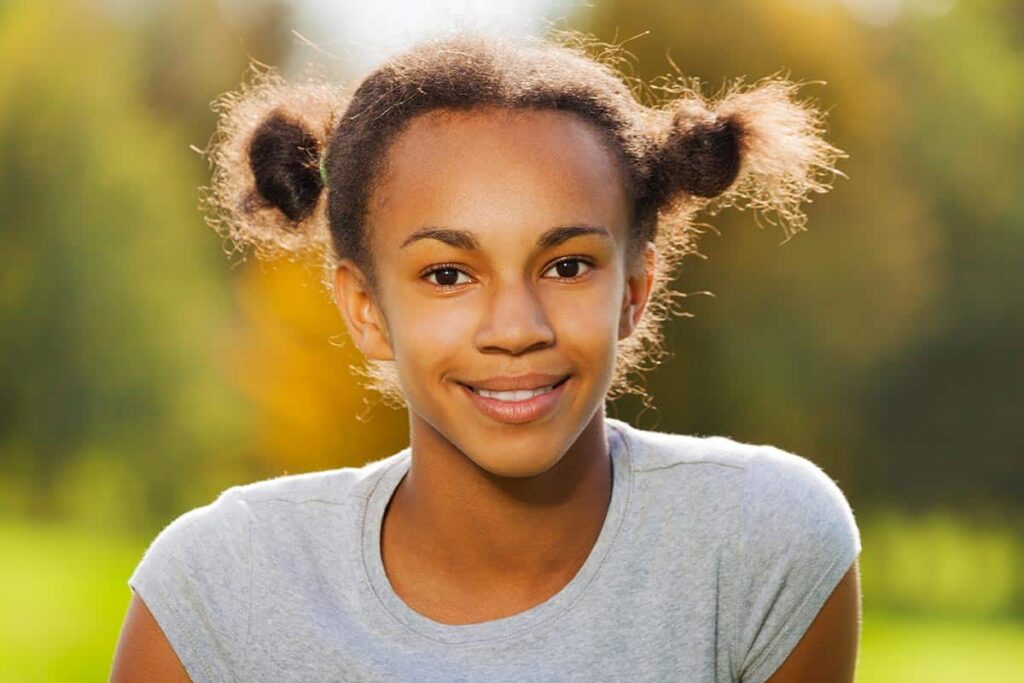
(266, 187)
(284, 159)
(698, 154)
(785, 156)
(757, 147)
(707, 156)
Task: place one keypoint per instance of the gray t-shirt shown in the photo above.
(714, 558)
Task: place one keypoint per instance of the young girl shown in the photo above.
(499, 221)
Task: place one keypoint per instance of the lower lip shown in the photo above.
(517, 412)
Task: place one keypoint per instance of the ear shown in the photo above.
(639, 282)
(363, 317)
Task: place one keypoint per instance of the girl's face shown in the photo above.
(500, 241)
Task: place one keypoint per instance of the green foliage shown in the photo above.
(929, 649)
(884, 343)
(780, 354)
(65, 593)
(941, 564)
(945, 413)
(114, 289)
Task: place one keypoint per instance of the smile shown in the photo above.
(520, 395)
(519, 406)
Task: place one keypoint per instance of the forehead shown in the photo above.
(498, 173)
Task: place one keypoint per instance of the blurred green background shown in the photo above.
(144, 370)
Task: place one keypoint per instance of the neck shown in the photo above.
(482, 528)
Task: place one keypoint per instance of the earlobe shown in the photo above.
(359, 309)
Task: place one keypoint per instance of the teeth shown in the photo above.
(515, 395)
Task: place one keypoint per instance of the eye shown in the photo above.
(447, 276)
(569, 268)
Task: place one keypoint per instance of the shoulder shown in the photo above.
(787, 497)
(335, 486)
(651, 449)
(219, 530)
(216, 539)
(229, 513)
(196, 576)
(795, 526)
(789, 536)
(769, 485)
(797, 540)
(194, 580)
(771, 502)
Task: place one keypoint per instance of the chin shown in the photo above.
(519, 454)
(515, 467)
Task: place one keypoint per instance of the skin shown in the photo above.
(538, 492)
(493, 518)
(828, 649)
(143, 653)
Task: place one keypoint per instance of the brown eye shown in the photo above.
(569, 268)
(446, 276)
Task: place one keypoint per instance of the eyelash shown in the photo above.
(452, 266)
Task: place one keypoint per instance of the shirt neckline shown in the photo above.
(514, 625)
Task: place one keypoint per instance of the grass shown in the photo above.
(920, 649)
(64, 593)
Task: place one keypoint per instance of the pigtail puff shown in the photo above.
(267, 190)
(756, 147)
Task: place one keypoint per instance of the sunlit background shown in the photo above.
(144, 370)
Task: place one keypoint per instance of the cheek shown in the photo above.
(430, 331)
(585, 319)
(594, 325)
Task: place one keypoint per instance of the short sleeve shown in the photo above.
(798, 537)
(195, 578)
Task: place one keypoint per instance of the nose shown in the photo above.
(514, 321)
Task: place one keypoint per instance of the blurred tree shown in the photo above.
(779, 355)
(946, 411)
(293, 361)
(114, 299)
(194, 49)
(886, 343)
(292, 354)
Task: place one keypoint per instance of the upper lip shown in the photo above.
(533, 380)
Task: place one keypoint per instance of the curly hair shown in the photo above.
(279, 145)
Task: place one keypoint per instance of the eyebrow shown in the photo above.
(464, 239)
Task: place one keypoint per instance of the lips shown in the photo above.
(527, 382)
(531, 407)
